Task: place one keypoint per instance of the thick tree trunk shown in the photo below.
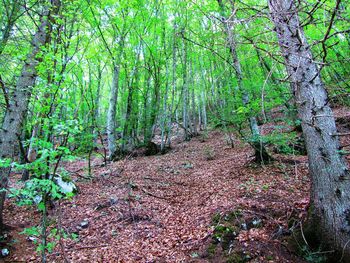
(15, 113)
(330, 195)
(111, 115)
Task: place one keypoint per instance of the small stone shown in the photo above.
(113, 201)
(114, 233)
(84, 224)
(257, 222)
(5, 252)
(32, 239)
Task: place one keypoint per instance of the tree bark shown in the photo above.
(330, 195)
(18, 106)
(111, 115)
(193, 103)
(173, 91)
(204, 111)
(11, 17)
(185, 95)
(261, 154)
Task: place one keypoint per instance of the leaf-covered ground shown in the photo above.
(161, 208)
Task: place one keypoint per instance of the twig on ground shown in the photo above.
(153, 195)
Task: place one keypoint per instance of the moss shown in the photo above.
(225, 235)
(235, 258)
(216, 219)
(226, 228)
(234, 215)
(211, 249)
(238, 257)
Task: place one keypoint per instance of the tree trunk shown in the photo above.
(185, 96)
(165, 115)
(96, 115)
(193, 103)
(330, 195)
(127, 145)
(15, 113)
(111, 115)
(173, 92)
(261, 154)
(11, 18)
(204, 111)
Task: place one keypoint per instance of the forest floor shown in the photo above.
(178, 207)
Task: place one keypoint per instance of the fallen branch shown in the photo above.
(156, 196)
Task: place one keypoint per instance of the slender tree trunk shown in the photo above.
(97, 105)
(185, 95)
(11, 19)
(261, 154)
(111, 115)
(31, 155)
(173, 84)
(165, 115)
(15, 113)
(330, 195)
(204, 111)
(127, 131)
(193, 103)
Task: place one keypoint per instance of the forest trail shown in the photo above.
(161, 208)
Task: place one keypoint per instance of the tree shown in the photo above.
(16, 111)
(330, 195)
(261, 154)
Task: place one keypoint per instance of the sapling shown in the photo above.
(46, 185)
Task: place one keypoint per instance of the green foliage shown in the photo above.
(35, 189)
(5, 163)
(39, 191)
(171, 56)
(54, 234)
(282, 141)
(312, 256)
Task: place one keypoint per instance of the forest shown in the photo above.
(174, 131)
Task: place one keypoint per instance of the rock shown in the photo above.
(32, 239)
(5, 252)
(187, 165)
(113, 201)
(257, 222)
(65, 186)
(84, 224)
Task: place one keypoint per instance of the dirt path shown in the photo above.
(160, 208)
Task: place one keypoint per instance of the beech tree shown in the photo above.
(114, 78)
(15, 114)
(261, 154)
(330, 195)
